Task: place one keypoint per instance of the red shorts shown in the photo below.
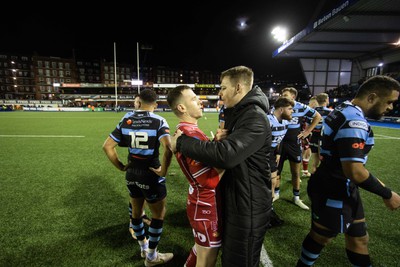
(206, 233)
(203, 215)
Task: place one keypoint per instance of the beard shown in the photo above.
(374, 112)
(287, 117)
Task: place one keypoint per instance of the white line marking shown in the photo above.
(264, 259)
(381, 136)
(44, 136)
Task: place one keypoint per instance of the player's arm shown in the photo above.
(109, 148)
(308, 129)
(166, 157)
(364, 179)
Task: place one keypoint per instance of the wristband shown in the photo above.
(374, 186)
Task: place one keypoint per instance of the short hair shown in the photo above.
(174, 95)
(321, 98)
(239, 74)
(291, 90)
(148, 96)
(381, 85)
(283, 102)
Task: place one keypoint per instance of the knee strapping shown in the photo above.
(357, 229)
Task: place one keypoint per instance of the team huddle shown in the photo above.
(235, 178)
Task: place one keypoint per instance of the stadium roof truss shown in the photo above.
(365, 32)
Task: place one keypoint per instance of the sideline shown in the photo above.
(381, 136)
(44, 136)
(264, 259)
(383, 124)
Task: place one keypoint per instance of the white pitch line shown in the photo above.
(264, 259)
(380, 136)
(43, 136)
(212, 134)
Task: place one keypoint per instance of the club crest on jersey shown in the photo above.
(359, 124)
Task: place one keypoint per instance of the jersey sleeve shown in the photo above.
(352, 141)
(117, 135)
(164, 129)
(347, 137)
(206, 176)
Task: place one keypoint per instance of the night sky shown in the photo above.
(199, 35)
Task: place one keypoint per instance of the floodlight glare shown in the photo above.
(280, 34)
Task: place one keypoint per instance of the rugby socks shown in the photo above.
(277, 191)
(130, 210)
(191, 260)
(138, 228)
(358, 259)
(144, 245)
(310, 252)
(296, 194)
(155, 230)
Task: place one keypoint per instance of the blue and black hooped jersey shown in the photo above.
(278, 128)
(347, 136)
(300, 110)
(141, 132)
(324, 112)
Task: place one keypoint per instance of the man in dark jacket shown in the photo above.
(244, 153)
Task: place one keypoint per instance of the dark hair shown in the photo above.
(174, 95)
(148, 96)
(283, 102)
(381, 85)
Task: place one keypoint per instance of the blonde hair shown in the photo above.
(291, 90)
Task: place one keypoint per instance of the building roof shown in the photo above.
(365, 31)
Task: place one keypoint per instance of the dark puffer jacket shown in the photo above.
(246, 184)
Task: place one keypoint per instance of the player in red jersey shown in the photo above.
(203, 196)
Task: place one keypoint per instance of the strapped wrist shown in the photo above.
(374, 186)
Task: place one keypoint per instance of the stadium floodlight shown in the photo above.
(279, 34)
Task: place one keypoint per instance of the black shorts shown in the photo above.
(145, 183)
(315, 142)
(335, 203)
(291, 152)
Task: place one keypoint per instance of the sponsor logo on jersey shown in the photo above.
(358, 145)
(359, 124)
